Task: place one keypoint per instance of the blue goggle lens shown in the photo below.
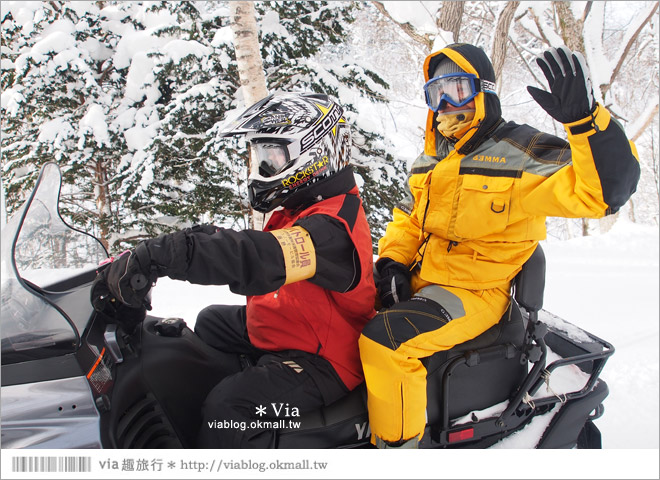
(457, 89)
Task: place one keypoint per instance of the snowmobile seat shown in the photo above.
(471, 376)
(529, 284)
(487, 370)
(479, 373)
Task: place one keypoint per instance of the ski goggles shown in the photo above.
(272, 158)
(455, 88)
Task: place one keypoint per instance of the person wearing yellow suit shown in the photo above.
(476, 208)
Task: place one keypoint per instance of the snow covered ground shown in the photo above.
(606, 284)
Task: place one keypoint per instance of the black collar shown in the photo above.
(337, 184)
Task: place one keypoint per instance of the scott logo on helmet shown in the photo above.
(305, 174)
(329, 121)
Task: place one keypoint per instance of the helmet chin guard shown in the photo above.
(296, 140)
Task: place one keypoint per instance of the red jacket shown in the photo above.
(304, 316)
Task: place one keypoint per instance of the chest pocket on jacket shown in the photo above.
(483, 206)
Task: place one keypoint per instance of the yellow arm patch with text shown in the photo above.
(299, 253)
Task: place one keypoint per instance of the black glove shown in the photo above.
(114, 311)
(394, 283)
(571, 98)
(127, 278)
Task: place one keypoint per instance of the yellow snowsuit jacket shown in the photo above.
(475, 213)
(476, 209)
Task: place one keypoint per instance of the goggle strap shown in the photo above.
(486, 86)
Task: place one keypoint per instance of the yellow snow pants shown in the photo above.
(394, 341)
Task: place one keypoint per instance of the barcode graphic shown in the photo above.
(51, 464)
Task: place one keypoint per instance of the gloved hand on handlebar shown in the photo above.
(105, 303)
(129, 276)
(124, 278)
(571, 96)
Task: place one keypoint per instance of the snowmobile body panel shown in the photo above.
(50, 414)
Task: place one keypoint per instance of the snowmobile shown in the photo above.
(75, 378)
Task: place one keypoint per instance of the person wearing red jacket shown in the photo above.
(308, 276)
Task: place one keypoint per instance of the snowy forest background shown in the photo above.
(126, 96)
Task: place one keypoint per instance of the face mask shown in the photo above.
(455, 124)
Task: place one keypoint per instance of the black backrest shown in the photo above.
(530, 282)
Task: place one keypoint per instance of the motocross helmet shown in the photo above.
(297, 140)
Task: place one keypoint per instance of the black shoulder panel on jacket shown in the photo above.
(542, 147)
(617, 167)
(336, 265)
(349, 210)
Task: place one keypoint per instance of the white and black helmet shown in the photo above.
(297, 140)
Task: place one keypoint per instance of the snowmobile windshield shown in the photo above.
(40, 254)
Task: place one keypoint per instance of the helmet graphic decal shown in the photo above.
(295, 140)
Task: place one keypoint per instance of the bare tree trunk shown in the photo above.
(571, 28)
(102, 200)
(605, 224)
(501, 39)
(571, 33)
(248, 52)
(631, 214)
(450, 18)
(585, 227)
(250, 66)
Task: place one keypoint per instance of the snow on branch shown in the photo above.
(606, 66)
(638, 127)
(425, 39)
(636, 26)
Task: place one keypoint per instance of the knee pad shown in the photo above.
(406, 320)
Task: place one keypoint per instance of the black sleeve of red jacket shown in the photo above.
(337, 261)
(251, 262)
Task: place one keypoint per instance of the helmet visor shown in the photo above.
(455, 88)
(272, 158)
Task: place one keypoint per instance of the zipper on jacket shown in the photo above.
(451, 245)
(427, 182)
(419, 255)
